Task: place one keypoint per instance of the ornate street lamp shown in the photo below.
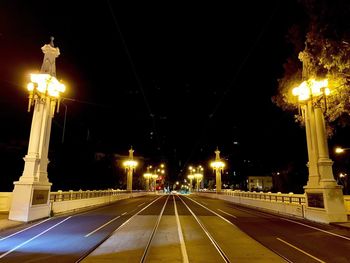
(197, 174)
(324, 202)
(198, 177)
(191, 177)
(154, 181)
(130, 166)
(218, 166)
(30, 199)
(147, 176)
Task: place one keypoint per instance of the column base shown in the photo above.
(30, 201)
(325, 204)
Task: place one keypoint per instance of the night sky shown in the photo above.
(173, 80)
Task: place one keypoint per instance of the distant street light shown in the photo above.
(197, 174)
(147, 176)
(30, 199)
(340, 150)
(218, 167)
(321, 190)
(130, 166)
(191, 177)
(154, 181)
(159, 174)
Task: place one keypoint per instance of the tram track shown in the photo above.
(176, 228)
(184, 258)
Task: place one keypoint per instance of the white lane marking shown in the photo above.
(325, 231)
(216, 245)
(1, 239)
(124, 213)
(87, 235)
(302, 251)
(181, 237)
(141, 204)
(38, 235)
(127, 221)
(94, 231)
(227, 213)
(223, 218)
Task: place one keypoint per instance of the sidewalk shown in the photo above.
(342, 225)
(5, 223)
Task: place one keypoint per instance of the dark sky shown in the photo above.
(173, 80)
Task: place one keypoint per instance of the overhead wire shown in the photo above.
(137, 78)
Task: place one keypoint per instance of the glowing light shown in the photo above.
(311, 87)
(46, 84)
(130, 163)
(198, 176)
(217, 165)
(340, 150)
(190, 176)
(30, 86)
(147, 175)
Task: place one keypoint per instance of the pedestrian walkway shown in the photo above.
(6, 223)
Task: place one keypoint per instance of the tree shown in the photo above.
(326, 52)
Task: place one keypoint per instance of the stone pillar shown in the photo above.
(129, 179)
(324, 198)
(30, 198)
(218, 180)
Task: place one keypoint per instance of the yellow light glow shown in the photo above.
(339, 150)
(342, 175)
(190, 176)
(130, 163)
(217, 165)
(30, 86)
(198, 176)
(311, 87)
(46, 84)
(147, 175)
(154, 176)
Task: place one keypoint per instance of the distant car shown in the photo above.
(174, 192)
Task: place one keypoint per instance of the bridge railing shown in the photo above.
(284, 203)
(70, 201)
(272, 197)
(60, 196)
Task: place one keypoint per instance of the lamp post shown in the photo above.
(159, 175)
(147, 176)
(130, 166)
(30, 199)
(324, 197)
(191, 177)
(218, 167)
(198, 175)
(154, 181)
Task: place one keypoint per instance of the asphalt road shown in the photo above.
(174, 228)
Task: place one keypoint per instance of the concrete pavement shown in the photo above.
(5, 223)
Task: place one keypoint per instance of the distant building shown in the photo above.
(259, 183)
